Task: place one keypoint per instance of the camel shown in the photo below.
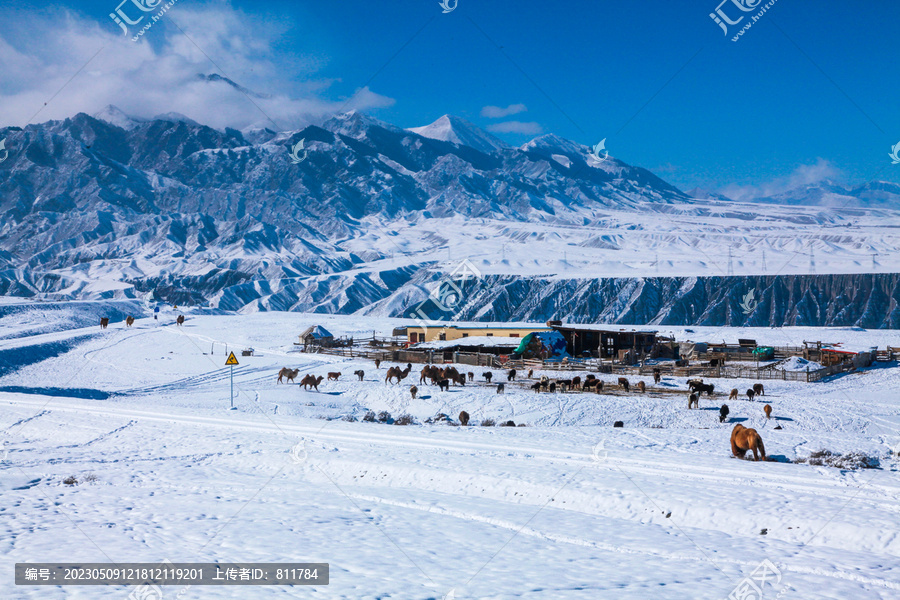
(768, 410)
(511, 376)
(427, 373)
(733, 396)
(487, 376)
(750, 394)
(501, 388)
(129, 321)
(360, 374)
(287, 373)
(413, 390)
(657, 375)
(624, 383)
(311, 381)
(180, 320)
(377, 363)
(723, 413)
(104, 321)
(396, 372)
(694, 400)
(642, 387)
(743, 439)
(758, 389)
(333, 376)
(463, 418)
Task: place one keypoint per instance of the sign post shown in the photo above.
(232, 360)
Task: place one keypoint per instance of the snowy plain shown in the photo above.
(566, 507)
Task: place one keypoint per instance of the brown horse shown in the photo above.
(759, 389)
(734, 395)
(333, 376)
(642, 387)
(657, 375)
(104, 321)
(743, 439)
(129, 321)
(463, 418)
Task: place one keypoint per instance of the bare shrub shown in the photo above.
(488, 423)
(350, 419)
(369, 417)
(850, 461)
(89, 478)
(405, 419)
(384, 416)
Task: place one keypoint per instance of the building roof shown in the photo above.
(524, 326)
(601, 328)
(317, 332)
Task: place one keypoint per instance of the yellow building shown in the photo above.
(455, 332)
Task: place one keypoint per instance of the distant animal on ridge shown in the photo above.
(501, 388)
(744, 439)
(641, 387)
(759, 389)
(694, 400)
(511, 376)
(723, 413)
(413, 390)
(180, 320)
(333, 376)
(104, 321)
(624, 383)
(360, 374)
(750, 394)
(463, 418)
(768, 410)
(733, 396)
(487, 376)
(129, 321)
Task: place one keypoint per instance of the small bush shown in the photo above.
(369, 417)
(488, 423)
(90, 478)
(406, 419)
(850, 461)
(70, 480)
(384, 416)
(350, 419)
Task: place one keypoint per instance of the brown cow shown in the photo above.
(463, 418)
(471, 376)
(768, 410)
(743, 439)
(530, 373)
(599, 387)
(129, 321)
(104, 321)
(642, 387)
(180, 320)
(511, 376)
(624, 383)
(758, 389)
(333, 376)
(734, 395)
(377, 363)
(694, 400)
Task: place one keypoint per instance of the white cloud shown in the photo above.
(497, 112)
(159, 73)
(803, 175)
(528, 128)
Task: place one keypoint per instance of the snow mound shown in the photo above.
(795, 363)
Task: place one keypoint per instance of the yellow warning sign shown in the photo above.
(232, 360)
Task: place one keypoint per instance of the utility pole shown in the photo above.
(812, 262)
(730, 265)
(764, 261)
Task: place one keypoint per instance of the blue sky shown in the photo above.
(808, 92)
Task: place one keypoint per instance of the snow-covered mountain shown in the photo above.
(110, 206)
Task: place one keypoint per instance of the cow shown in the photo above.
(768, 410)
(463, 418)
(705, 387)
(104, 322)
(129, 321)
(511, 376)
(733, 396)
(694, 400)
(564, 384)
(576, 382)
(443, 384)
(589, 384)
(657, 375)
(552, 388)
(360, 374)
(180, 320)
(413, 390)
(471, 376)
(750, 394)
(641, 387)
(624, 383)
(377, 363)
(487, 376)
(530, 373)
(501, 388)
(333, 376)
(599, 387)
(759, 389)
(744, 439)
(537, 387)
(723, 413)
